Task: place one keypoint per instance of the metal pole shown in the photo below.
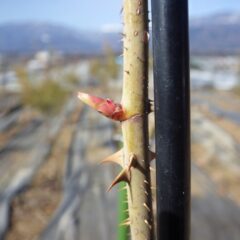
(171, 91)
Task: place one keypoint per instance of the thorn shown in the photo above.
(145, 181)
(117, 157)
(152, 155)
(152, 169)
(148, 224)
(150, 106)
(125, 223)
(123, 188)
(146, 206)
(122, 176)
(141, 60)
(132, 161)
(121, 11)
(146, 193)
(138, 11)
(146, 37)
(127, 72)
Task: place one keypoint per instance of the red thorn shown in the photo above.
(122, 176)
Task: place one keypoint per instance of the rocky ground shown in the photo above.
(51, 186)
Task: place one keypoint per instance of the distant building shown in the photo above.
(39, 62)
(42, 60)
(9, 81)
(214, 72)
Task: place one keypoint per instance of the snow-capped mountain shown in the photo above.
(219, 33)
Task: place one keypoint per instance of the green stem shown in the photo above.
(135, 129)
(123, 231)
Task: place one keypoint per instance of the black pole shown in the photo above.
(171, 91)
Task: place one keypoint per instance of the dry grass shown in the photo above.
(226, 178)
(230, 127)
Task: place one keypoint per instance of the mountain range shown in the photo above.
(215, 34)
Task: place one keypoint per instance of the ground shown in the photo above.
(53, 186)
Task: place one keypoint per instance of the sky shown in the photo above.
(92, 14)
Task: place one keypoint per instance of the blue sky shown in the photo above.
(91, 14)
